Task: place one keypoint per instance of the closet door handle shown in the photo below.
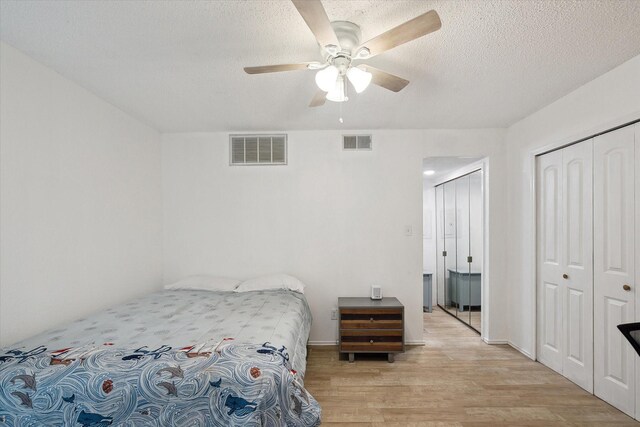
(565, 276)
(626, 287)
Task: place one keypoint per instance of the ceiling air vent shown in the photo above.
(258, 149)
(356, 142)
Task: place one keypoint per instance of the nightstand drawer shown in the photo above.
(367, 335)
(369, 346)
(370, 319)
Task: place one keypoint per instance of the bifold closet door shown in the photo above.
(577, 263)
(549, 289)
(564, 262)
(614, 267)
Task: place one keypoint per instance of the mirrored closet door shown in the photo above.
(450, 246)
(476, 244)
(459, 248)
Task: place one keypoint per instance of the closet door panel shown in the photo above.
(614, 258)
(440, 260)
(577, 265)
(450, 245)
(476, 242)
(549, 230)
(637, 254)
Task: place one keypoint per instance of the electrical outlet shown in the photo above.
(334, 314)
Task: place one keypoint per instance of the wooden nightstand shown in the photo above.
(371, 326)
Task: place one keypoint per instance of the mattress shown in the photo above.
(169, 358)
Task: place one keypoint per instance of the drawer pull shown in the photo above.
(371, 319)
(371, 341)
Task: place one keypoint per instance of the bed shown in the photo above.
(171, 358)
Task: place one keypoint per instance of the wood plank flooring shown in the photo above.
(455, 380)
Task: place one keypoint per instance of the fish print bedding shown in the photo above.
(168, 359)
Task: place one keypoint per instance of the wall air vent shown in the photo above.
(356, 142)
(254, 149)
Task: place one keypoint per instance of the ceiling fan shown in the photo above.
(340, 46)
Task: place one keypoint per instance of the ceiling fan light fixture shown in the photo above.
(362, 53)
(337, 93)
(359, 78)
(332, 49)
(326, 79)
(316, 65)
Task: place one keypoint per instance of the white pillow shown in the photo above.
(273, 281)
(205, 283)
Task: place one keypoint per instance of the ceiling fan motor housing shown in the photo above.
(348, 34)
(342, 63)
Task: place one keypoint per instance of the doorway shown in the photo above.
(453, 236)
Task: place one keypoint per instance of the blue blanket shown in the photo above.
(209, 384)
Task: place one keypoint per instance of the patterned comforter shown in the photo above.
(176, 374)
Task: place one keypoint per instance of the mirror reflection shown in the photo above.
(458, 245)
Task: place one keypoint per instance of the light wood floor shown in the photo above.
(455, 380)
(475, 317)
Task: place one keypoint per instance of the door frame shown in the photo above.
(531, 158)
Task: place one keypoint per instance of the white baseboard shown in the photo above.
(521, 350)
(494, 342)
(509, 343)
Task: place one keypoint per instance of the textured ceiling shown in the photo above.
(178, 65)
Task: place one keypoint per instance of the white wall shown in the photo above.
(610, 100)
(333, 218)
(429, 235)
(429, 228)
(80, 217)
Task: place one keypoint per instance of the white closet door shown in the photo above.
(549, 263)
(576, 260)
(614, 235)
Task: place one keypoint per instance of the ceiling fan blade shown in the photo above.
(318, 99)
(276, 68)
(386, 80)
(403, 33)
(318, 22)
